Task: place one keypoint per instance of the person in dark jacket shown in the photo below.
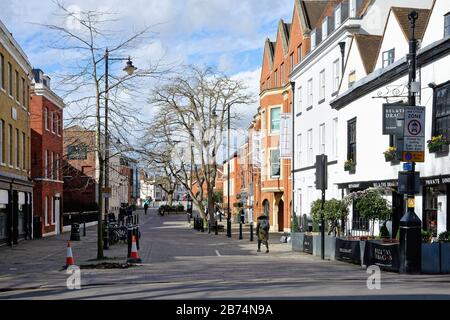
(145, 207)
(262, 231)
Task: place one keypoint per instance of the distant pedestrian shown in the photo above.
(262, 231)
(146, 207)
(242, 216)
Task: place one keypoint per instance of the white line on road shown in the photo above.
(218, 253)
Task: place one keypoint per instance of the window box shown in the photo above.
(350, 166)
(390, 154)
(438, 144)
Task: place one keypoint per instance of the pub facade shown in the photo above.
(361, 118)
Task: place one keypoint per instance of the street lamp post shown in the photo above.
(228, 168)
(129, 69)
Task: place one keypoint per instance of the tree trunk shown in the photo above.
(211, 205)
(170, 198)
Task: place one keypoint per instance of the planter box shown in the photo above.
(445, 257)
(431, 258)
(297, 241)
(330, 247)
(385, 256)
(348, 250)
(440, 151)
(308, 244)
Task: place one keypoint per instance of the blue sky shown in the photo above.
(227, 34)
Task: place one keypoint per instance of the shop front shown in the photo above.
(435, 203)
(15, 210)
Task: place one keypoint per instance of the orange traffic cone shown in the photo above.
(69, 257)
(134, 256)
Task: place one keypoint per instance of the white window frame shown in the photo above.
(299, 149)
(310, 146)
(322, 85)
(337, 16)
(385, 57)
(352, 8)
(336, 75)
(52, 123)
(313, 39)
(275, 131)
(46, 119)
(299, 100)
(274, 177)
(310, 93)
(57, 167)
(17, 148)
(46, 210)
(335, 138)
(325, 28)
(10, 146)
(322, 140)
(45, 164)
(53, 210)
(24, 154)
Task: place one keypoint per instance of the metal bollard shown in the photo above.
(251, 231)
(136, 234)
(84, 229)
(202, 225)
(217, 229)
(137, 219)
(129, 236)
(240, 231)
(209, 227)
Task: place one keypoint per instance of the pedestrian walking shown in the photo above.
(262, 231)
(242, 216)
(145, 207)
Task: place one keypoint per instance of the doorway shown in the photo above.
(281, 216)
(56, 214)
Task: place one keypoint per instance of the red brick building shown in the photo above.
(46, 154)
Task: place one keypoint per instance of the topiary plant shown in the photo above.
(426, 236)
(384, 232)
(444, 236)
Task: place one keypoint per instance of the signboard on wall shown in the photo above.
(285, 136)
(392, 112)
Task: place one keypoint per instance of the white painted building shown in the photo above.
(359, 106)
(334, 59)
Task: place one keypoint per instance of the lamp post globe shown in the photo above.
(129, 68)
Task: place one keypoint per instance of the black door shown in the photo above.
(398, 209)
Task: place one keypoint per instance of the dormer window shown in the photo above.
(388, 57)
(313, 39)
(325, 28)
(447, 25)
(337, 16)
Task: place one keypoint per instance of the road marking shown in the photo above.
(218, 253)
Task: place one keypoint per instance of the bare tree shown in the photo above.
(191, 120)
(89, 37)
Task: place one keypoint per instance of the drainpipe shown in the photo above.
(294, 216)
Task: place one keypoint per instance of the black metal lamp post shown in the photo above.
(228, 168)
(410, 224)
(129, 69)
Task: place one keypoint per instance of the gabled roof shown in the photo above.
(269, 51)
(369, 47)
(313, 11)
(421, 23)
(300, 9)
(284, 30)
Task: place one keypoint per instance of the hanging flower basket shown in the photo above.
(438, 144)
(350, 165)
(390, 154)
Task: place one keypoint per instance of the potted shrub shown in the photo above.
(373, 206)
(390, 154)
(444, 236)
(438, 144)
(426, 236)
(350, 165)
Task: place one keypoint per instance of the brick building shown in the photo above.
(16, 187)
(46, 154)
(273, 193)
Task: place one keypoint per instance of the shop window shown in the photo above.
(431, 210)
